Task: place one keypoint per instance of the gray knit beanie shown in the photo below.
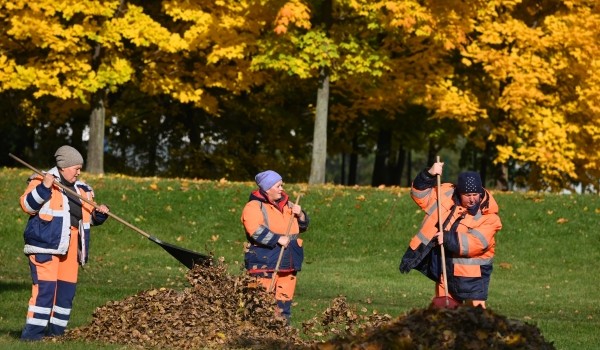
(67, 156)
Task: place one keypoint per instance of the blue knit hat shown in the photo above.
(469, 182)
(267, 179)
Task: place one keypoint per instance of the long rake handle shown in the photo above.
(439, 210)
(287, 232)
(68, 190)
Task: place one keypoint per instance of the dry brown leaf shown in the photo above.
(222, 311)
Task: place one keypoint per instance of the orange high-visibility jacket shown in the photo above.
(48, 229)
(469, 238)
(264, 222)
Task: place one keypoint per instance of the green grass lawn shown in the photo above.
(546, 263)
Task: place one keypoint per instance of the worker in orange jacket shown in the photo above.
(470, 222)
(266, 218)
(56, 241)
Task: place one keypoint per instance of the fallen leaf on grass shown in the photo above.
(222, 311)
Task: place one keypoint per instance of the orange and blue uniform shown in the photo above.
(469, 240)
(264, 222)
(56, 237)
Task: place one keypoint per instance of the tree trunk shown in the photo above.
(396, 176)
(432, 152)
(152, 149)
(501, 177)
(382, 157)
(353, 167)
(409, 168)
(319, 151)
(95, 151)
(343, 180)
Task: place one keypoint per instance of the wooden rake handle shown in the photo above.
(287, 232)
(440, 225)
(68, 190)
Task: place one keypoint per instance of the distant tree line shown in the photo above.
(317, 90)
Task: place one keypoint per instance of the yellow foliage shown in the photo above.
(185, 11)
(450, 102)
(520, 74)
(229, 53)
(144, 31)
(293, 12)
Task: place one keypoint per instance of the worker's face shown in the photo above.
(71, 173)
(470, 200)
(274, 193)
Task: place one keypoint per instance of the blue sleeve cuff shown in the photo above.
(303, 225)
(424, 180)
(98, 218)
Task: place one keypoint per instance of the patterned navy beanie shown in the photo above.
(469, 182)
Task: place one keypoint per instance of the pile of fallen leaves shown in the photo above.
(223, 311)
(464, 328)
(341, 319)
(219, 310)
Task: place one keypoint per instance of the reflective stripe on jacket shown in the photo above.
(264, 223)
(470, 239)
(48, 229)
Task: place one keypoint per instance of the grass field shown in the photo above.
(546, 263)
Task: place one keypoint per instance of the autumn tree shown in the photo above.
(539, 85)
(73, 52)
(517, 79)
(510, 74)
(382, 57)
(79, 53)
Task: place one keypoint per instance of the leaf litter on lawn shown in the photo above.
(465, 328)
(218, 310)
(223, 311)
